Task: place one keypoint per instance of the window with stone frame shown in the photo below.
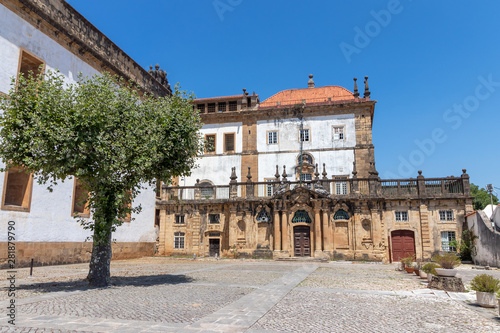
(17, 189)
(200, 108)
(445, 215)
(213, 218)
(341, 215)
(210, 142)
(30, 63)
(338, 133)
(80, 197)
(229, 142)
(446, 238)
(211, 107)
(272, 137)
(179, 240)
(340, 187)
(233, 106)
(304, 135)
(401, 215)
(179, 219)
(270, 186)
(221, 106)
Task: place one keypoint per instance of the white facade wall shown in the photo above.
(49, 219)
(219, 130)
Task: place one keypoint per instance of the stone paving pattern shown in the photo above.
(254, 296)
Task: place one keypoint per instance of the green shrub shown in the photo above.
(430, 268)
(447, 260)
(485, 283)
(408, 261)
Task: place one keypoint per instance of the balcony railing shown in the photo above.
(450, 187)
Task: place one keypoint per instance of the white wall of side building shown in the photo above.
(49, 218)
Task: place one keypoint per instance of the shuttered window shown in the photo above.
(229, 142)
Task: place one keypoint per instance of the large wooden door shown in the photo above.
(403, 244)
(302, 241)
(214, 247)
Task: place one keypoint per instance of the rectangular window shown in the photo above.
(213, 218)
(306, 177)
(304, 135)
(80, 196)
(446, 238)
(29, 62)
(340, 188)
(178, 240)
(272, 137)
(229, 142)
(402, 216)
(179, 219)
(445, 215)
(17, 188)
(233, 106)
(211, 107)
(201, 108)
(210, 143)
(270, 187)
(157, 217)
(221, 106)
(338, 133)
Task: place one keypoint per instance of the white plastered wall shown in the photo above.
(49, 219)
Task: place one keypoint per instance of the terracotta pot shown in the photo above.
(486, 300)
(423, 275)
(409, 270)
(446, 272)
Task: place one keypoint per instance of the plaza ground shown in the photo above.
(207, 295)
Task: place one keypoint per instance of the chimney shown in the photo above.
(310, 83)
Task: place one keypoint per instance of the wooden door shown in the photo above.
(302, 241)
(403, 244)
(214, 247)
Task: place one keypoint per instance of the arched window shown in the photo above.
(306, 159)
(301, 216)
(206, 189)
(341, 215)
(263, 216)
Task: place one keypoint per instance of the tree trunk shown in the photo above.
(99, 272)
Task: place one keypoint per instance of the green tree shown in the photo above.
(481, 197)
(102, 132)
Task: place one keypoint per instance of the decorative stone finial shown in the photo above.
(159, 75)
(277, 174)
(244, 92)
(367, 90)
(284, 173)
(324, 172)
(233, 175)
(316, 173)
(356, 93)
(310, 83)
(249, 176)
(354, 171)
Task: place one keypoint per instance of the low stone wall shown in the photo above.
(58, 253)
(488, 242)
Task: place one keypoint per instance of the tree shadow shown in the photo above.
(116, 281)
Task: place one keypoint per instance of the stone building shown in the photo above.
(52, 34)
(294, 175)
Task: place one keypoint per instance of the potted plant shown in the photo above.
(408, 262)
(429, 270)
(417, 266)
(485, 286)
(448, 262)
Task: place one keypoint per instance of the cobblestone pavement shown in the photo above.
(254, 296)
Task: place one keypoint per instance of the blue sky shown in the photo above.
(433, 66)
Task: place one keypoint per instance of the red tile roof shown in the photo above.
(310, 95)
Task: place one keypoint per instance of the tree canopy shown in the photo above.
(481, 197)
(103, 132)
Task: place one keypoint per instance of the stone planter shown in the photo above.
(486, 300)
(423, 275)
(417, 271)
(429, 277)
(446, 272)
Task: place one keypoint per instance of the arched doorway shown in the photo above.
(403, 244)
(302, 241)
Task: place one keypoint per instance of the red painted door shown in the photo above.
(403, 244)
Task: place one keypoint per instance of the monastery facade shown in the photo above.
(295, 176)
